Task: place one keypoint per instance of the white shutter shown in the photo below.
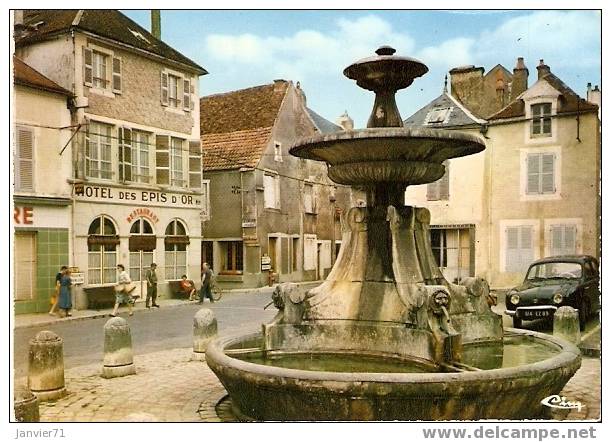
(162, 159)
(164, 89)
(526, 249)
(195, 164)
(186, 94)
(24, 165)
(547, 173)
(269, 190)
(556, 240)
(511, 249)
(570, 239)
(277, 191)
(87, 67)
(117, 70)
(25, 265)
(308, 205)
(563, 239)
(533, 173)
(444, 183)
(206, 199)
(125, 154)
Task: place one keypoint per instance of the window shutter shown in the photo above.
(195, 164)
(125, 154)
(570, 234)
(526, 249)
(511, 249)
(206, 199)
(87, 67)
(162, 159)
(432, 191)
(444, 183)
(87, 149)
(164, 89)
(186, 94)
(277, 191)
(117, 82)
(556, 240)
(24, 166)
(308, 204)
(268, 191)
(547, 173)
(533, 168)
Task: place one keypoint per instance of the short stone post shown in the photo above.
(26, 405)
(118, 355)
(46, 366)
(566, 324)
(204, 331)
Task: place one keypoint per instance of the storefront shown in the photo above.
(135, 227)
(42, 246)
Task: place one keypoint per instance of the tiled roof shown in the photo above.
(42, 24)
(459, 116)
(233, 150)
(244, 109)
(568, 101)
(27, 76)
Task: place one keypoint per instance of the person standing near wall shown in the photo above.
(151, 286)
(55, 295)
(65, 298)
(122, 291)
(206, 292)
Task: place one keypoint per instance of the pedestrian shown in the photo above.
(123, 291)
(55, 295)
(206, 292)
(65, 300)
(188, 287)
(151, 286)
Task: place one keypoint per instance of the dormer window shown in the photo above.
(438, 116)
(541, 120)
(102, 71)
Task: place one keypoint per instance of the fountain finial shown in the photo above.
(386, 50)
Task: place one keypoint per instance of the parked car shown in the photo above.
(553, 282)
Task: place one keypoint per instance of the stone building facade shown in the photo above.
(533, 192)
(270, 212)
(136, 151)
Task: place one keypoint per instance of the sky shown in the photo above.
(245, 48)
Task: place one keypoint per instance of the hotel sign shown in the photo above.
(124, 195)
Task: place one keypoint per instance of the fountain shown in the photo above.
(386, 337)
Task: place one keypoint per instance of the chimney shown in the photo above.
(520, 79)
(594, 95)
(345, 121)
(301, 94)
(279, 85)
(156, 23)
(542, 69)
(466, 85)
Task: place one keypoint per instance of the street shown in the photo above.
(152, 330)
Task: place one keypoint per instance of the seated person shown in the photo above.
(187, 286)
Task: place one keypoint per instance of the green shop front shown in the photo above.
(41, 247)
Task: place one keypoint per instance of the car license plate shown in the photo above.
(535, 313)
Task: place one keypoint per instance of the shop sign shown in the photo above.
(77, 278)
(95, 193)
(143, 212)
(266, 263)
(23, 215)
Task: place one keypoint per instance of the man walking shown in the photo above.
(151, 286)
(206, 292)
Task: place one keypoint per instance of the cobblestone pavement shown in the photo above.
(168, 387)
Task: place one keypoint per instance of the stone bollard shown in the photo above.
(118, 356)
(566, 324)
(26, 405)
(204, 331)
(46, 366)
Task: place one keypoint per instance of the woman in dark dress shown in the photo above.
(65, 301)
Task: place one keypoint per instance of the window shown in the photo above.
(176, 172)
(99, 68)
(541, 119)
(25, 265)
(102, 241)
(295, 252)
(309, 198)
(452, 249)
(438, 116)
(98, 154)
(195, 164)
(519, 248)
(562, 240)
(540, 173)
(176, 241)
(277, 151)
(208, 253)
(142, 243)
(271, 186)
(141, 170)
(176, 91)
(125, 154)
(440, 189)
(24, 159)
(233, 258)
(206, 199)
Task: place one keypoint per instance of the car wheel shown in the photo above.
(583, 314)
(517, 322)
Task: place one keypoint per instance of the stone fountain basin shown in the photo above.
(404, 155)
(272, 393)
